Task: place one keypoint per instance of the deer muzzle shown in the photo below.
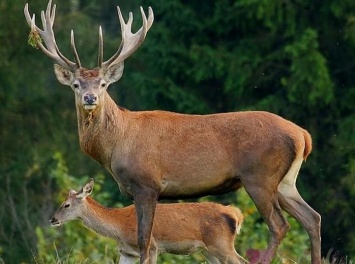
(54, 221)
(89, 101)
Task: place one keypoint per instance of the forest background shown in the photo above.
(294, 58)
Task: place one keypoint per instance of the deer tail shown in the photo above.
(239, 218)
(307, 145)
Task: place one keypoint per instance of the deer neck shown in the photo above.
(100, 129)
(99, 219)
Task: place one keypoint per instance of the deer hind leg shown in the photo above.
(225, 255)
(211, 258)
(234, 258)
(153, 252)
(292, 202)
(128, 259)
(237, 257)
(266, 201)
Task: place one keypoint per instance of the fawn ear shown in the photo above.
(72, 192)
(114, 72)
(63, 75)
(86, 190)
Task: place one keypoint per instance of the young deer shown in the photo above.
(180, 228)
(156, 154)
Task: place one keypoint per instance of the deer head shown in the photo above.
(72, 208)
(88, 85)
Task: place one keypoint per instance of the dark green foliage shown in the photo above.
(293, 58)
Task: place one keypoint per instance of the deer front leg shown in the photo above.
(145, 201)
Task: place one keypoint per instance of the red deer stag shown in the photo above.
(178, 228)
(156, 154)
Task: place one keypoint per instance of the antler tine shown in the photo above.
(130, 20)
(47, 35)
(72, 43)
(51, 16)
(130, 41)
(29, 19)
(101, 48)
(150, 17)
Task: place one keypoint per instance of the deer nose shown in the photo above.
(90, 98)
(53, 220)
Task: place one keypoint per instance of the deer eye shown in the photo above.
(76, 86)
(103, 85)
(66, 206)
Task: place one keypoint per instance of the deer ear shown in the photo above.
(86, 190)
(63, 75)
(114, 72)
(72, 192)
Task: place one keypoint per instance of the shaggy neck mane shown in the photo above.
(95, 127)
(101, 114)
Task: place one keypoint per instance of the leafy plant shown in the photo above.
(34, 38)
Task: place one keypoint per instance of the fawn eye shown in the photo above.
(66, 206)
(103, 85)
(76, 86)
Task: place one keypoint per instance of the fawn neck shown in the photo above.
(101, 219)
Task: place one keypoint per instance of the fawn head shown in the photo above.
(73, 207)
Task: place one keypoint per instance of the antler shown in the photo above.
(47, 35)
(130, 42)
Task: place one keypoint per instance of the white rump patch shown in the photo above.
(288, 183)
